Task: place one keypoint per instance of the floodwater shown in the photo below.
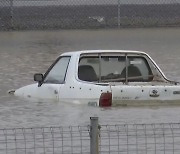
(27, 52)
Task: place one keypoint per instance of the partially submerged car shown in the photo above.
(103, 78)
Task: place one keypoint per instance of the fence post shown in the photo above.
(119, 14)
(94, 136)
(11, 14)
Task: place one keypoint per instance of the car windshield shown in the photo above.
(57, 72)
(116, 68)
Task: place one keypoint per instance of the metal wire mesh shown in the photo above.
(140, 139)
(113, 139)
(66, 14)
(5, 14)
(53, 140)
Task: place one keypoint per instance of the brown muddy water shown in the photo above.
(27, 52)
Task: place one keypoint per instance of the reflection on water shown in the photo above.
(24, 53)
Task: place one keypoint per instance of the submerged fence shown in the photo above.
(70, 14)
(93, 139)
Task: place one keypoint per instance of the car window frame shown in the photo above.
(50, 68)
(126, 55)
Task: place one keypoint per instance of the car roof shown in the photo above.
(101, 51)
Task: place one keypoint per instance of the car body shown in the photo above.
(103, 78)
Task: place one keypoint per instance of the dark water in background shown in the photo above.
(24, 53)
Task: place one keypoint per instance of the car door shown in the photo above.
(54, 79)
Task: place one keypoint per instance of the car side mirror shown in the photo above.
(39, 78)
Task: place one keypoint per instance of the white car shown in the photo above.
(103, 78)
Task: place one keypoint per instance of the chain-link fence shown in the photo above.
(93, 139)
(70, 14)
(50, 140)
(140, 139)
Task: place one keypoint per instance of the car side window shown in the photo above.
(111, 68)
(138, 70)
(88, 69)
(105, 68)
(57, 72)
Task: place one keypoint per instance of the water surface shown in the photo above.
(27, 52)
